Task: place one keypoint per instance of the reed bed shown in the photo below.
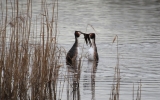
(28, 68)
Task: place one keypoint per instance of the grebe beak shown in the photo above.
(81, 32)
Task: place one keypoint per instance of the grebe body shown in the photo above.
(92, 52)
(74, 52)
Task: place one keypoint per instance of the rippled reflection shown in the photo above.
(73, 79)
(94, 65)
(89, 78)
(73, 92)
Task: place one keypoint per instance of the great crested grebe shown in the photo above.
(73, 53)
(92, 52)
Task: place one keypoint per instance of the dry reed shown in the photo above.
(28, 69)
(116, 81)
(115, 91)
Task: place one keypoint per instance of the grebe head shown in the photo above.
(92, 35)
(78, 33)
(87, 39)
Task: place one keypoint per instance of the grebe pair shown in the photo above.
(72, 54)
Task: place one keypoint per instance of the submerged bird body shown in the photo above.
(74, 52)
(92, 52)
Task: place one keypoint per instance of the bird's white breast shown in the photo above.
(78, 51)
(91, 54)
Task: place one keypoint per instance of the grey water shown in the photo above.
(137, 25)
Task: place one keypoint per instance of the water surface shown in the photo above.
(137, 25)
